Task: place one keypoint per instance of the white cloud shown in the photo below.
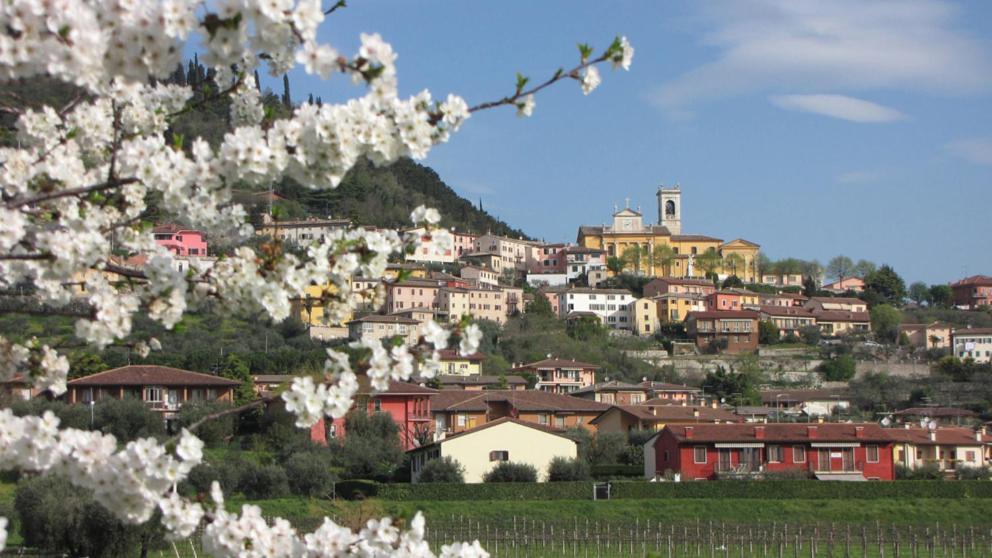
(858, 177)
(973, 150)
(789, 45)
(838, 106)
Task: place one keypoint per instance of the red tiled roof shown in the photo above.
(497, 422)
(779, 432)
(721, 314)
(774, 310)
(612, 385)
(522, 400)
(841, 316)
(974, 280)
(972, 331)
(837, 300)
(670, 413)
(453, 354)
(555, 363)
(665, 386)
(151, 375)
(951, 436)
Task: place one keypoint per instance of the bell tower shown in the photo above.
(670, 208)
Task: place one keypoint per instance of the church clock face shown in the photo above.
(626, 225)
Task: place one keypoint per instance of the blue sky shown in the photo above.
(813, 128)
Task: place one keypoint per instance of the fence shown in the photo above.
(521, 537)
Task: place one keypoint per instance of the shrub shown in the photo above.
(372, 448)
(213, 432)
(810, 335)
(568, 469)
(928, 471)
(838, 369)
(445, 469)
(127, 419)
(310, 474)
(263, 481)
(793, 473)
(768, 332)
(361, 489)
(506, 471)
(974, 473)
(59, 518)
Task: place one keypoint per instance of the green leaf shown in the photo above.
(521, 81)
(177, 140)
(585, 50)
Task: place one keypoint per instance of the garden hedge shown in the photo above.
(630, 490)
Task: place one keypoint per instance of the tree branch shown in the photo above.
(225, 412)
(558, 76)
(71, 192)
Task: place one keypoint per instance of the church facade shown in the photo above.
(662, 250)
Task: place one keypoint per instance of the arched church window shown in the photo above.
(670, 208)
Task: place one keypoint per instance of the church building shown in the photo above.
(662, 250)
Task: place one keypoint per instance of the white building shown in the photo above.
(513, 253)
(547, 279)
(973, 343)
(611, 306)
(428, 251)
(580, 260)
(301, 231)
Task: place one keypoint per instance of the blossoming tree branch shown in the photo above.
(79, 189)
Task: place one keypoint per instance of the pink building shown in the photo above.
(415, 293)
(845, 284)
(180, 241)
(547, 258)
(559, 375)
(409, 405)
(464, 243)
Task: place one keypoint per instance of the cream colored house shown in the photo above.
(378, 327)
(480, 449)
(645, 314)
(947, 448)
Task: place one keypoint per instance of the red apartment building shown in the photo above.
(408, 404)
(972, 292)
(827, 451)
(180, 241)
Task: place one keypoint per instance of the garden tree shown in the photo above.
(838, 369)
(442, 469)
(85, 363)
(564, 469)
(734, 263)
(940, 295)
(235, 369)
(839, 267)
(607, 448)
(709, 261)
(310, 473)
(663, 256)
(810, 334)
(768, 332)
(507, 471)
(59, 518)
(919, 292)
(763, 264)
(540, 306)
(879, 391)
(632, 257)
(960, 370)
(127, 419)
(372, 448)
(732, 281)
(87, 177)
(810, 288)
(885, 320)
(585, 328)
(813, 269)
(213, 432)
(864, 268)
(884, 286)
(735, 387)
(614, 265)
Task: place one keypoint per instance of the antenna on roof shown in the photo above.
(886, 422)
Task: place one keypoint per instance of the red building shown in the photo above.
(827, 451)
(972, 292)
(739, 329)
(408, 404)
(180, 241)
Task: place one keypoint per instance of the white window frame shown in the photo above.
(695, 460)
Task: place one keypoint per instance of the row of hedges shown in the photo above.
(786, 489)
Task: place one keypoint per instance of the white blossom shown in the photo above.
(423, 214)
(525, 108)
(471, 337)
(626, 55)
(590, 79)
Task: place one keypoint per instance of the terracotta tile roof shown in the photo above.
(612, 385)
(522, 400)
(972, 331)
(723, 314)
(974, 280)
(550, 363)
(589, 290)
(773, 396)
(665, 386)
(387, 319)
(841, 316)
(405, 388)
(837, 300)
(453, 354)
(675, 413)
(951, 436)
(773, 310)
(492, 423)
(151, 375)
(272, 378)
(779, 432)
(479, 380)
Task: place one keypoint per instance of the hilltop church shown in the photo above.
(737, 257)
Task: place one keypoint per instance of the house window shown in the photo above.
(872, 452)
(542, 419)
(560, 422)
(153, 394)
(776, 454)
(798, 454)
(699, 454)
(499, 455)
(376, 405)
(969, 456)
(666, 456)
(461, 420)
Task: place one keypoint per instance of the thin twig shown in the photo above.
(225, 412)
(558, 76)
(71, 192)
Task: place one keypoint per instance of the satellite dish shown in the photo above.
(923, 422)
(932, 425)
(886, 422)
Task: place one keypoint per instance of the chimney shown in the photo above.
(906, 426)
(979, 434)
(859, 432)
(688, 432)
(819, 419)
(759, 432)
(714, 404)
(654, 410)
(933, 436)
(811, 432)
(695, 413)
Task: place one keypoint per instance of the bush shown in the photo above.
(794, 473)
(445, 469)
(768, 332)
(608, 472)
(507, 471)
(127, 419)
(492, 491)
(59, 518)
(974, 473)
(563, 469)
(372, 449)
(309, 474)
(840, 369)
(259, 482)
(810, 335)
(213, 432)
(362, 489)
(929, 471)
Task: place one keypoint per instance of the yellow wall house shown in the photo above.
(685, 255)
(507, 439)
(645, 314)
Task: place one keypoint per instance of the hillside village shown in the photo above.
(714, 317)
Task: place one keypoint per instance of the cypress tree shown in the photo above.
(287, 101)
(258, 82)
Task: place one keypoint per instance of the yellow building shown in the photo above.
(674, 307)
(644, 311)
(686, 255)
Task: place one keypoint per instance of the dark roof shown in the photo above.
(555, 363)
(479, 380)
(779, 432)
(773, 310)
(937, 412)
(665, 386)
(723, 314)
(612, 385)
(497, 422)
(151, 375)
(388, 319)
(522, 400)
(972, 331)
(676, 413)
(454, 354)
(271, 378)
(841, 316)
(773, 396)
(837, 300)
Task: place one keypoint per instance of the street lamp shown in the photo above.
(92, 419)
